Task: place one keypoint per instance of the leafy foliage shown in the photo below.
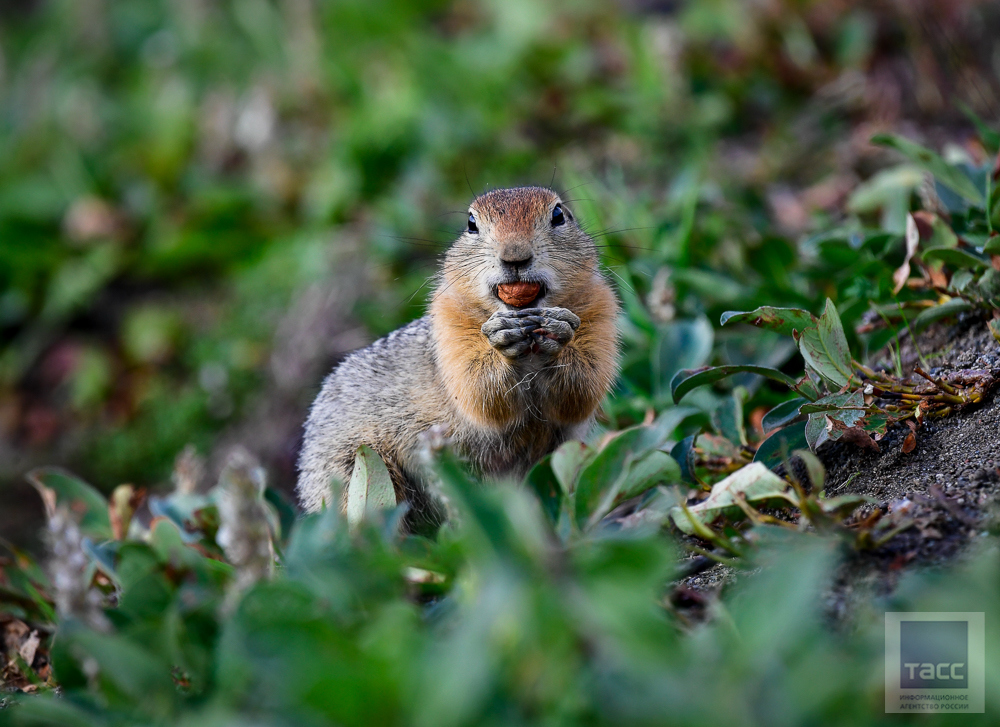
(187, 188)
(189, 192)
(516, 611)
(964, 272)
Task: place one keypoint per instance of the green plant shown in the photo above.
(838, 398)
(529, 605)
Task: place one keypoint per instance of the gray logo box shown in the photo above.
(935, 662)
(934, 654)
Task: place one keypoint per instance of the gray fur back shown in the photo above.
(383, 396)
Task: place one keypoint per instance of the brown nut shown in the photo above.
(518, 294)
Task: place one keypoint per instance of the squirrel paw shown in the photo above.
(534, 330)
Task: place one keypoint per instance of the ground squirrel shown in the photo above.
(514, 356)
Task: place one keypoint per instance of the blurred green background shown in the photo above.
(205, 204)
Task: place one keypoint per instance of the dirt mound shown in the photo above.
(940, 496)
(945, 489)
(957, 458)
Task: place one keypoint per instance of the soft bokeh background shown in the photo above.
(205, 204)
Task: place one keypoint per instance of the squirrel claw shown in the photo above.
(541, 331)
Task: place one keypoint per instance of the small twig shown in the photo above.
(937, 382)
(714, 557)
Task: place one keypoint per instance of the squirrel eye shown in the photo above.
(472, 223)
(557, 215)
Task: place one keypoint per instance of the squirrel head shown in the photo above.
(519, 235)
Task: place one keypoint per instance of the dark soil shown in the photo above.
(945, 489)
(958, 454)
(942, 494)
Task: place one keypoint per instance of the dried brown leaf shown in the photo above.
(910, 443)
(122, 504)
(29, 647)
(854, 435)
(925, 223)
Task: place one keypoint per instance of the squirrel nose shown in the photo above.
(521, 262)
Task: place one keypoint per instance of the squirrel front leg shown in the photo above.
(482, 366)
(585, 369)
(579, 361)
(577, 380)
(479, 379)
(539, 331)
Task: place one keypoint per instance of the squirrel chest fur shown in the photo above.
(514, 356)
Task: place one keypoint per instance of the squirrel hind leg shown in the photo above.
(425, 513)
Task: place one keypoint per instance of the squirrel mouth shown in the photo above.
(521, 294)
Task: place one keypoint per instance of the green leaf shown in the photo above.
(568, 460)
(683, 454)
(49, 708)
(848, 407)
(992, 246)
(995, 328)
(755, 482)
(284, 507)
(815, 431)
(655, 468)
(808, 388)
(988, 286)
(78, 280)
(728, 418)
(135, 671)
(166, 539)
(688, 379)
(960, 280)
(814, 468)
(957, 257)
(58, 487)
(780, 320)
(606, 472)
(370, 488)
(951, 308)
(843, 505)
(181, 508)
(889, 191)
(989, 137)
(103, 554)
(949, 176)
(824, 347)
(783, 414)
(680, 345)
(775, 449)
(835, 402)
(941, 235)
(602, 479)
(543, 481)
